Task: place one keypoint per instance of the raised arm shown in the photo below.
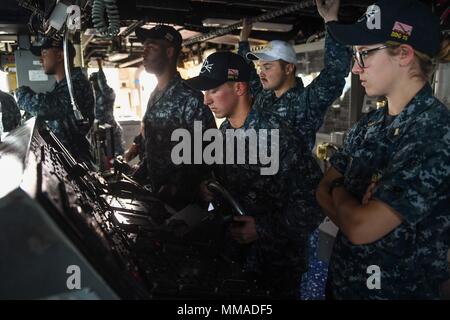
(328, 86)
(244, 48)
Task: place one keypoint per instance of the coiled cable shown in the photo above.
(111, 25)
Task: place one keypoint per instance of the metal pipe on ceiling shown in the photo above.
(130, 29)
(264, 17)
(92, 52)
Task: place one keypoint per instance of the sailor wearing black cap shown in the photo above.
(281, 206)
(388, 189)
(55, 107)
(172, 105)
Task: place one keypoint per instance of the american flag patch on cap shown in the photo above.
(233, 74)
(402, 28)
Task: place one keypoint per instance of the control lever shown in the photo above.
(121, 167)
(217, 187)
(121, 182)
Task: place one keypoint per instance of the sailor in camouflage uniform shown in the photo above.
(172, 105)
(55, 107)
(278, 89)
(9, 111)
(281, 207)
(104, 107)
(389, 187)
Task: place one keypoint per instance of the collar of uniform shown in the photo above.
(176, 78)
(299, 83)
(157, 95)
(421, 102)
(292, 91)
(262, 119)
(75, 73)
(298, 86)
(172, 82)
(252, 116)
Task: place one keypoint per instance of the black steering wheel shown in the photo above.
(229, 200)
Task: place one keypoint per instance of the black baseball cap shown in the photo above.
(403, 21)
(221, 67)
(160, 32)
(47, 43)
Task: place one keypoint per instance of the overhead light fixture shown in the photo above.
(260, 26)
(131, 62)
(92, 32)
(117, 56)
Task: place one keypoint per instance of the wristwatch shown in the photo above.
(338, 182)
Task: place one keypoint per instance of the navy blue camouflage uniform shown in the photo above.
(55, 109)
(104, 110)
(10, 112)
(284, 205)
(304, 108)
(410, 159)
(175, 107)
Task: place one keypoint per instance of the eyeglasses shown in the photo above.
(359, 56)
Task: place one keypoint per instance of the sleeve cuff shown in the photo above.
(339, 161)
